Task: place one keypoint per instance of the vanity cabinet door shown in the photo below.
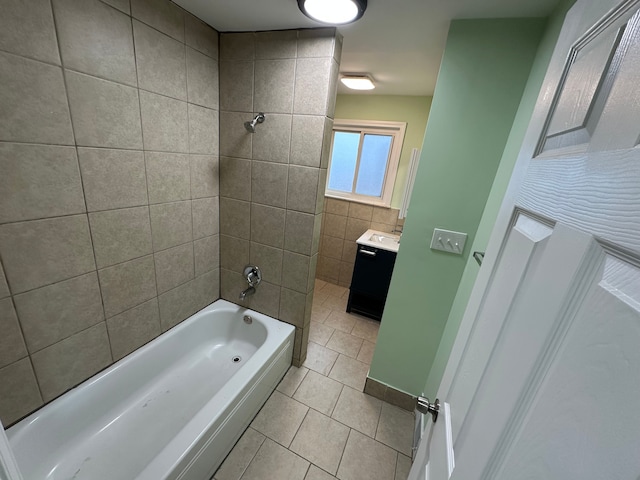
(370, 281)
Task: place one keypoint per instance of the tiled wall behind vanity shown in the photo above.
(109, 186)
(272, 181)
(344, 222)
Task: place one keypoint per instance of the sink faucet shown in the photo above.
(253, 276)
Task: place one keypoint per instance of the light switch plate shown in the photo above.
(448, 241)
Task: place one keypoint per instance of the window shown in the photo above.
(364, 160)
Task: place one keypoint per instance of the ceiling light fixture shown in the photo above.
(357, 81)
(334, 12)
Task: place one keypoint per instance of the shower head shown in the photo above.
(251, 126)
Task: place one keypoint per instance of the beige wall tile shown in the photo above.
(105, 114)
(52, 176)
(41, 252)
(202, 79)
(122, 5)
(4, 288)
(237, 46)
(12, 346)
(361, 211)
(162, 15)
(120, 235)
(274, 85)
(34, 104)
(272, 140)
(171, 224)
(177, 305)
(235, 178)
(96, 39)
(266, 299)
(113, 178)
(205, 217)
(207, 288)
(326, 144)
(349, 252)
(164, 123)
(71, 361)
(133, 328)
(269, 259)
(302, 189)
(267, 225)
(174, 267)
(332, 247)
(235, 218)
(55, 312)
(160, 61)
(337, 207)
(204, 127)
(269, 183)
(200, 36)
(319, 42)
(312, 86)
(207, 254)
(236, 81)
(355, 228)
(328, 269)
(334, 225)
(292, 307)
(235, 141)
(168, 177)
(234, 253)
(271, 45)
(295, 272)
(127, 285)
(346, 272)
(307, 140)
(27, 29)
(204, 176)
(388, 216)
(300, 232)
(20, 392)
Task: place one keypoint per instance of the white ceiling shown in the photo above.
(399, 42)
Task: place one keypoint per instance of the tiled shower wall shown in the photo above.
(272, 181)
(109, 186)
(344, 222)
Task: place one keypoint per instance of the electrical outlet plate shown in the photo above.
(448, 241)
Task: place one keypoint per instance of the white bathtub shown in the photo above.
(171, 410)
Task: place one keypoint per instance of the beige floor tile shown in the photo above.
(358, 410)
(240, 457)
(319, 392)
(321, 440)
(350, 372)
(365, 355)
(292, 380)
(366, 459)
(336, 303)
(319, 284)
(315, 473)
(345, 343)
(319, 358)
(396, 428)
(274, 462)
(320, 333)
(335, 290)
(280, 418)
(319, 313)
(403, 466)
(340, 321)
(367, 329)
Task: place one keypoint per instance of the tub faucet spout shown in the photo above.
(247, 292)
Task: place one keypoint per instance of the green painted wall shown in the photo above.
(482, 77)
(392, 108)
(498, 190)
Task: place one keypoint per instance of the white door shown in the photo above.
(544, 378)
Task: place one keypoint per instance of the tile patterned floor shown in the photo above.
(318, 425)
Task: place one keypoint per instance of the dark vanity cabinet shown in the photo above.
(370, 281)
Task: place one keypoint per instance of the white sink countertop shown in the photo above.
(377, 239)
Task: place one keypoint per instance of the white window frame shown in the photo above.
(394, 129)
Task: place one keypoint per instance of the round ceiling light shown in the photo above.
(334, 12)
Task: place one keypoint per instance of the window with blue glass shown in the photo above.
(364, 160)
